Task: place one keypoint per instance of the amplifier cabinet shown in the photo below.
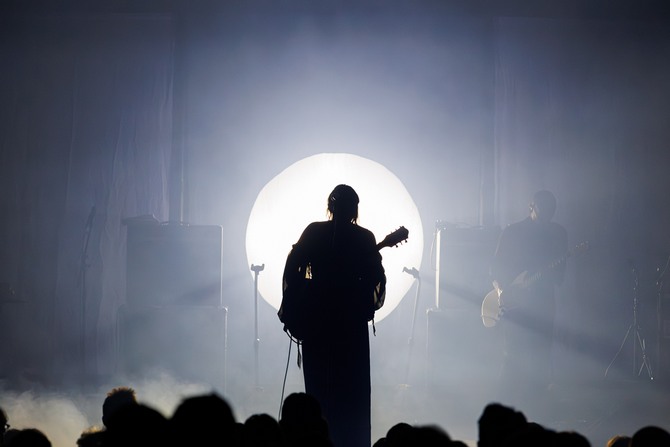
(174, 265)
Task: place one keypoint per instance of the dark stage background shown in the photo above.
(185, 112)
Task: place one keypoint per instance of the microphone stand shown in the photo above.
(415, 273)
(637, 338)
(659, 310)
(257, 342)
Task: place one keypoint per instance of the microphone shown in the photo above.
(661, 272)
(257, 268)
(414, 272)
(443, 225)
(89, 220)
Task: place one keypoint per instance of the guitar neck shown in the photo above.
(540, 273)
(526, 279)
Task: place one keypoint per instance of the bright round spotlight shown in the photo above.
(298, 196)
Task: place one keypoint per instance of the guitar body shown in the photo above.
(491, 311)
(516, 294)
(296, 311)
(498, 301)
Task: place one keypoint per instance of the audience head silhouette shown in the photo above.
(92, 437)
(401, 434)
(498, 423)
(117, 398)
(650, 436)
(431, 436)
(28, 437)
(301, 418)
(618, 441)
(135, 426)
(262, 430)
(570, 439)
(204, 419)
(4, 425)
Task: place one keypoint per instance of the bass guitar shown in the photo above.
(495, 303)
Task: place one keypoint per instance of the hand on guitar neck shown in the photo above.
(503, 299)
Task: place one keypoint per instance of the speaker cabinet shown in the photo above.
(187, 342)
(463, 265)
(174, 319)
(462, 352)
(461, 349)
(174, 265)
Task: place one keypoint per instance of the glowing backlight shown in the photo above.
(298, 195)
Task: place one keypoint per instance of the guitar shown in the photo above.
(393, 239)
(495, 303)
(295, 310)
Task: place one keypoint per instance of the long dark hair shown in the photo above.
(343, 204)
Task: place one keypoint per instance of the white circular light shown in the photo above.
(298, 196)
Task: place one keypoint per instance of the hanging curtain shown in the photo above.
(86, 128)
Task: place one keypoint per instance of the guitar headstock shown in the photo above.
(393, 239)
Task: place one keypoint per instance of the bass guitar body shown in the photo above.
(491, 312)
(497, 301)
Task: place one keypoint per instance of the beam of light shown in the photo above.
(298, 196)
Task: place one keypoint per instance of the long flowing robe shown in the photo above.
(346, 284)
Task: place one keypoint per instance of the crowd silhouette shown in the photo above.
(208, 419)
